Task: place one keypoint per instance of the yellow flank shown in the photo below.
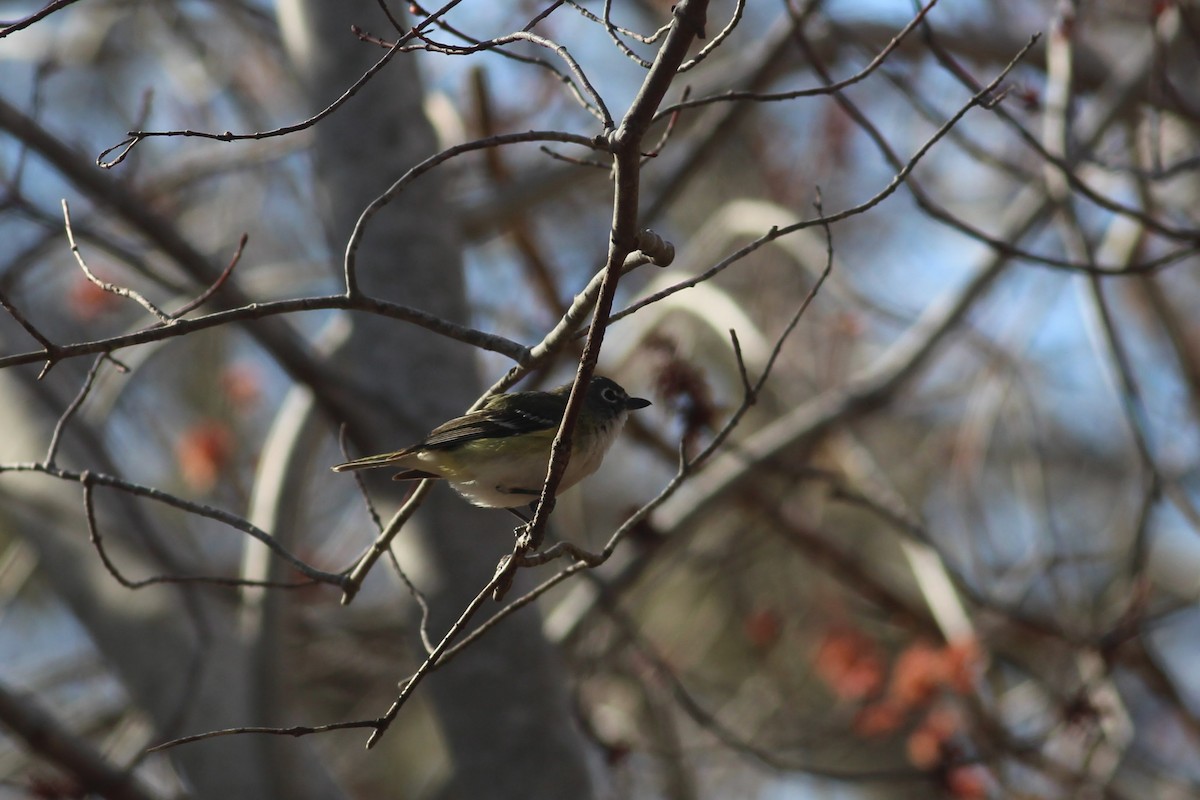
(465, 461)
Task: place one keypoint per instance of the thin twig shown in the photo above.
(615, 33)
(578, 162)
(416, 593)
(418, 596)
(359, 481)
(541, 15)
(399, 26)
(120, 291)
(493, 46)
(672, 121)
(37, 16)
(296, 730)
(383, 542)
(743, 372)
(431, 661)
(829, 88)
(216, 284)
(60, 426)
(376, 205)
(129, 583)
(734, 18)
(1055, 153)
(989, 99)
(49, 349)
(593, 103)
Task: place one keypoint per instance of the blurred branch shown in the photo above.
(1057, 150)
(708, 721)
(595, 106)
(986, 97)
(136, 137)
(537, 265)
(91, 771)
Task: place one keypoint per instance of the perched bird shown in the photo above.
(497, 457)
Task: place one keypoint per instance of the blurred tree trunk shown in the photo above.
(503, 706)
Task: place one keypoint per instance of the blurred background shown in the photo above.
(951, 550)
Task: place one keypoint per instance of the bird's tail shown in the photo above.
(369, 462)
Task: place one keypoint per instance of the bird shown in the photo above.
(497, 457)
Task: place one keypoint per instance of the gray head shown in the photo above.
(608, 393)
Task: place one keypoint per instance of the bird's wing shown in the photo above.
(539, 411)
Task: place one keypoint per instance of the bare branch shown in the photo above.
(97, 541)
(37, 16)
(120, 291)
(49, 348)
(89, 478)
(734, 18)
(217, 284)
(359, 302)
(294, 731)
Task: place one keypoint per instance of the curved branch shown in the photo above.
(486, 341)
(88, 478)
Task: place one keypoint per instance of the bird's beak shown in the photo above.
(634, 403)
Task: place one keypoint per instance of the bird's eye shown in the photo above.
(610, 396)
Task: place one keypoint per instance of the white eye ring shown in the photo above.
(610, 396)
